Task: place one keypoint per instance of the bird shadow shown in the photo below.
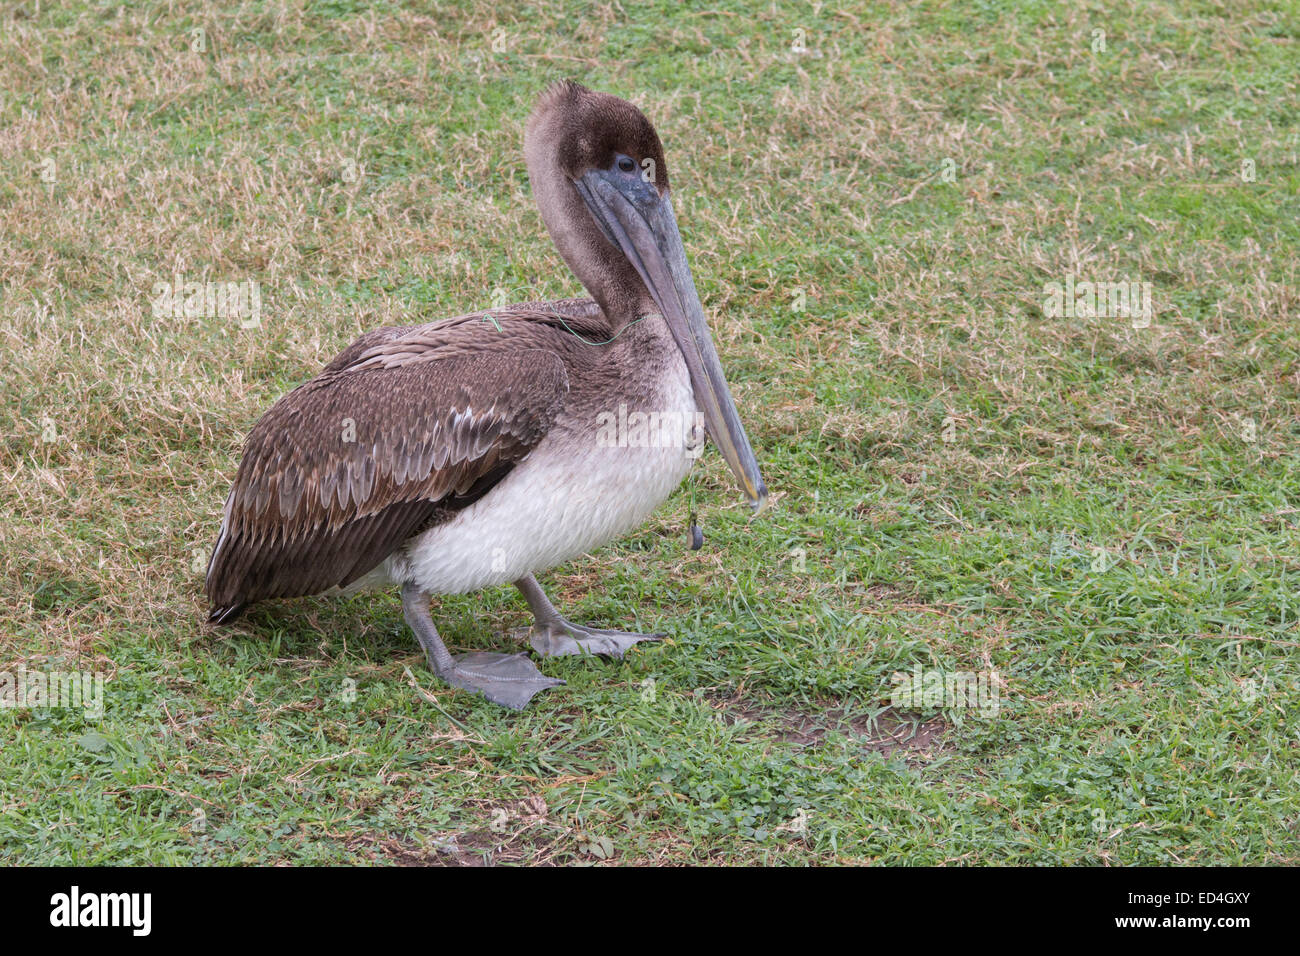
(370, 628)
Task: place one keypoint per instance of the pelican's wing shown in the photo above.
(383, 444)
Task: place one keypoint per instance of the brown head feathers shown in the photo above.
(584, 129)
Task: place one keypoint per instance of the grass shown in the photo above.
(1101, 519)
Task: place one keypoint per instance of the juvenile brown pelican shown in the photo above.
(477, 451)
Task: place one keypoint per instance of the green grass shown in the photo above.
(1106, 517)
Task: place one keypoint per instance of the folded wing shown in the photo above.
(345, 468)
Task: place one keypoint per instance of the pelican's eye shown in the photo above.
(626, 164)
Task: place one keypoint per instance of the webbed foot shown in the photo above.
(564, 638)
(552, 636)
(510, 680)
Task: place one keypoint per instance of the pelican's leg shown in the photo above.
(510, 680)
(553, 636)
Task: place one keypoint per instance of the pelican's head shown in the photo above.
(601, 182)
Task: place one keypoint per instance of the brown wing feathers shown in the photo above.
(390, 439)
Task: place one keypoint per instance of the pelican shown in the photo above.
(478, 451)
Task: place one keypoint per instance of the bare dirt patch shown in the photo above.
(888, 731)
(461, 848)
(512, 838)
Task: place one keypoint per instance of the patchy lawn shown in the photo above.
(1029, 593)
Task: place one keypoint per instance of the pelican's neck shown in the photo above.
(602, 268)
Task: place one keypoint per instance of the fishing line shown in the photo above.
(697, 533)
(607, 341)
(491, 317)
